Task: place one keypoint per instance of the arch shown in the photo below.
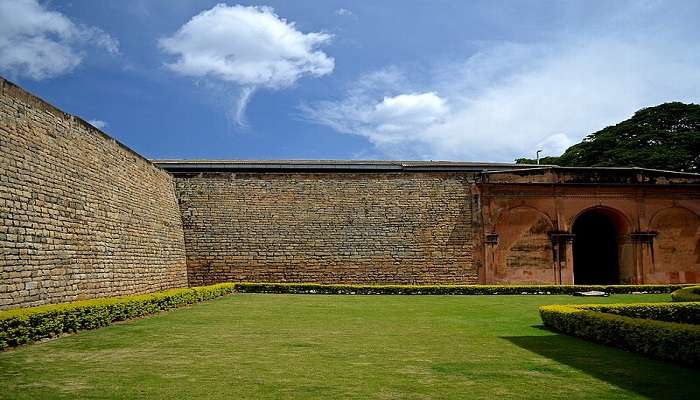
(658, 214)
(529, 207)
(598, 237)
(619, 218)
(524, 246)
(677, 241)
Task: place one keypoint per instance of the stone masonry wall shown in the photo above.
(327, 227)
(81, 216)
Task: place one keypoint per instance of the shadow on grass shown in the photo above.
(630, 371)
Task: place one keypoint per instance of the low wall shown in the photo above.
(81, 216)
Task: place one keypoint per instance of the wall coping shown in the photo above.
(329, 166)
(550, 175)
(15, 91)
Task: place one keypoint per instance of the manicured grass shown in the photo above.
(257, 346)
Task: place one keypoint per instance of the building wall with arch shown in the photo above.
(657, 220)
(302, 224)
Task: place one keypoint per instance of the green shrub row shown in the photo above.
(313, 288)
(25, 325)
(672, 341)
(691, 293)
(685, 313)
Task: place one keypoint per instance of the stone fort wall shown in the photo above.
(81, 216)
(328, 227)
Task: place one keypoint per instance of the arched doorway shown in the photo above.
(596, 247)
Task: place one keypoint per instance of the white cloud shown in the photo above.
(249, 46)
(344, 12)
(38, 43)
(392, 120)
(407, 111)
(99, 124)
(509, 100)
(241, 104)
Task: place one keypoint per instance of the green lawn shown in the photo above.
(255, 346)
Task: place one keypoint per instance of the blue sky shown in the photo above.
(448, 80)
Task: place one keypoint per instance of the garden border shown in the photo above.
(25, 325)
(608, 324)
(317, 288)
(691, 293)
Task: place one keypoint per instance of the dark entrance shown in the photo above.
(596, 259)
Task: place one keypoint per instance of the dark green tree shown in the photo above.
(663, 137)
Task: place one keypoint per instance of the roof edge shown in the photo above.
(327, 165)
(595, 169)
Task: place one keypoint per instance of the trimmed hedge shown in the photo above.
(687, 294)
(314, 288)
(614, 325)
(685, 313)
(25, 325)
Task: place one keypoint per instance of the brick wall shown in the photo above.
(327, 227)
(81, 216)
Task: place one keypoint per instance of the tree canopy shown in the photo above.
(666, 136)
